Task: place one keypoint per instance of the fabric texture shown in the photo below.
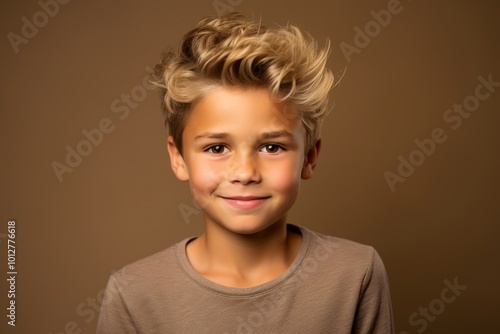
(333, 286)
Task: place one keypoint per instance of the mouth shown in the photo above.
(245, 202)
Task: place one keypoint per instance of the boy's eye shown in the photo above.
(216, 149)
(271, 148)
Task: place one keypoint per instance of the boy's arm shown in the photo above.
(115, 316)
(374, 312)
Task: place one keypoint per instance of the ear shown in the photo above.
(310, 161)
(177, 161)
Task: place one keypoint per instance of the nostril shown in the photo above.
(245, 173)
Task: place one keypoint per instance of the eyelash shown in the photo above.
(209, 149)
(279, 147)
(261, 149)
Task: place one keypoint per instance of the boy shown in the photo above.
(244, 104)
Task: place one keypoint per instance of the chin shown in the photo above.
(245, 229)
(247, 226)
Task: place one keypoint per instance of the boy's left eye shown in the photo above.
(216, 149)
(271, 148)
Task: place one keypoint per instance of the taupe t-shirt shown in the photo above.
(333, 286)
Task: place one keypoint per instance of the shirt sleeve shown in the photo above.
(115, 316)
(374, 311)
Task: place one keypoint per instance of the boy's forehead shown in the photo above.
(252, 104)
(286, 114)
(252, 112)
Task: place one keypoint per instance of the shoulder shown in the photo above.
(342, 257)
(151, 269)
(339, 247)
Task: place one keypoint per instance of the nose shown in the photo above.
(244, 169)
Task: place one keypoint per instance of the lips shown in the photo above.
(245, 202)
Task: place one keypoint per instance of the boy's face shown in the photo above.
(243, 154)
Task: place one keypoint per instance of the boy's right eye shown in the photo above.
(216, 149)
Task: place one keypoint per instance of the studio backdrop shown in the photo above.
(409, 162)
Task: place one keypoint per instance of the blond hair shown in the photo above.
(233, 51)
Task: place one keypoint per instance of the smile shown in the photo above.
(244, 203)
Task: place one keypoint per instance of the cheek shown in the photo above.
(202, 184)
(205, 177)
(284, 178)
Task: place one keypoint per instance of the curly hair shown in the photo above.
(233, 51)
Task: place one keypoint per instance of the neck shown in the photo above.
(241, 260)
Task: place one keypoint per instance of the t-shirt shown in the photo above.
(332, 286)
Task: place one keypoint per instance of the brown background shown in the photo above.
(122, 202)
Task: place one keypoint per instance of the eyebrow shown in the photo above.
(275, 134)
(224, 135)
(212, 135)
